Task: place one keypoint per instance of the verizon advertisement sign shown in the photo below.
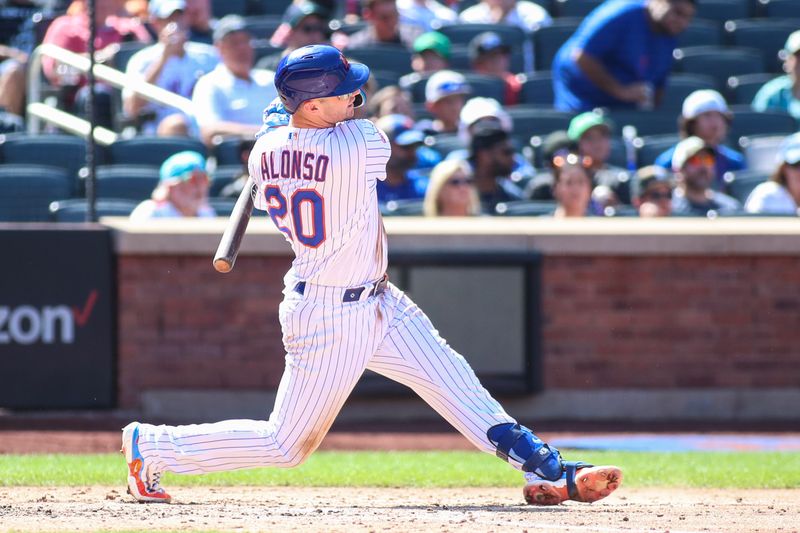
(56, 318)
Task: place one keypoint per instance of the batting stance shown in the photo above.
(316, 172)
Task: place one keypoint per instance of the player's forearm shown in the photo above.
(226, 129)
(598, 74)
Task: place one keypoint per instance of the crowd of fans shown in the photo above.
(455, 149)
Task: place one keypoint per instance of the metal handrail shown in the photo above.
(37, 113)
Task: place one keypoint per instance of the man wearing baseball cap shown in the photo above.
(705, 114)
(490, 55)
(303, 23)
(592, 133)
(174, 64)
(431, 54)
(445, 93)
(652, 189)
(404, 176)
(783, 93)
(693, 165)
(780, 195)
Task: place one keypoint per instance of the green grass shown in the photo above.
(424, 469)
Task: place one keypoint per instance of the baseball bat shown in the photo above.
(228, 247)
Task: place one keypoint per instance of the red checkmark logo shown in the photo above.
(82, 315)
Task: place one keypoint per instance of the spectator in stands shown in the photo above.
(783, 93)
(174, 64)
(229, 99)
(706, 115)
(541, 186)
(17, 40)
(182, 190)
(405, 178)
(451, 192)
(491, 56)
(620, 56)
(693, 165)
(572, 186)
(492, 161)
(781, 193)
(592, 134)
(391, 100)
(303, 23)
(12, 80)
(652, 191)
(71, 32)
(198, 19)
(233, 189)
(424, 15)
(383, 26)
(431, 54)
(445, 93)
(526, 15)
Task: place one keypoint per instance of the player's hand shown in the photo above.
(635, 93)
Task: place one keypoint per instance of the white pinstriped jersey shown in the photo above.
(319, 188)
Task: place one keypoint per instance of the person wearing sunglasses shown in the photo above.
(492, 161)
(182, 190)
(303, 23)
(652, 189)
(383, 27)
(693, 164)
(451, 191)
(781, 193)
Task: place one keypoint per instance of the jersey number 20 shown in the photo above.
(278, 208)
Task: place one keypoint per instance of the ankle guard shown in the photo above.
(524, 450)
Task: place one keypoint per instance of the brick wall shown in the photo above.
(649, 322)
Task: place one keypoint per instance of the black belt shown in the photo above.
(354, 294)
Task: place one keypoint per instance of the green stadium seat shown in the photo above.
(701, 33)
(743, 89)
(740, 184)
(719, 62)
(222, 206)
(530, 121)
(679, 86)
(262, 27)
(462, 34)
(537, 89)
(547, 41)
(222, 177)
(148, 150)
(766, 35)
(220, 8)
(657, 122)
(722, 10)
(127, 182)
(76, 209)
(392, 58)
(747, 122)
(575, 8)
(780, 8)
(486, 86)
(27, 190)
(648, 148)
(525, 208)
(411, 207)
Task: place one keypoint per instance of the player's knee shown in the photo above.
(524, 450)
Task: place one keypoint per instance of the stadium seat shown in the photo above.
(575, 8)
(262, 27)
(722, 10)
(655, 122)
(349, 28)
(747, 122)
(462, 34)
(125, 52)
(652, 146)
(272, 7)
(220, 8)
(761, 151)
(679, 86)
(460, 60)
(150, 150)
(547, 41)
(719, 62)
(537, 89)
(448, 142)
(780, 8)
(766, 35)
(525, 208)
(743, 89)
(701, 33)
(530, 121)
(740, 184)
(618, 156)
(486, 86)
(67, 152)
(384, 78)
(411, 207)
(393, 58)
(222, 206)
(222, 177)
(127, 182)
(227, 152)
(27, 190)
(76, 209)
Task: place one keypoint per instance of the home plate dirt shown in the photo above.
(377, 509)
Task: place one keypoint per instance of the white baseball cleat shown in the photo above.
(143, 484)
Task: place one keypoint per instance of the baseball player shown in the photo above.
(316, 170)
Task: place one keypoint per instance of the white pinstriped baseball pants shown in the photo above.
(328, 345)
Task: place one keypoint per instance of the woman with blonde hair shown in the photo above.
(451, 191)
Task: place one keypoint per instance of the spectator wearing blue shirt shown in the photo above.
(706, 115)
(783, 93)
(621, 55)
(408, 167)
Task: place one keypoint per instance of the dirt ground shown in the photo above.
(354, 510)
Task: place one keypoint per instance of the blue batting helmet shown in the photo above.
(317, 71)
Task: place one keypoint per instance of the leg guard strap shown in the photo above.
(517, 444)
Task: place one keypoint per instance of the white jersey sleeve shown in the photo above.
(318, 186)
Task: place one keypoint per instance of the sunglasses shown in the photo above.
(658, 195)
(702, 160)
(560, 161)
(460, 181)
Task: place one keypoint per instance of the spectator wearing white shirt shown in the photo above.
(173, 63)
(523, 14)
(425, 15)
(780, 195)
(229, 100)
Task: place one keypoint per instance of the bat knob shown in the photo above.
(222, 265)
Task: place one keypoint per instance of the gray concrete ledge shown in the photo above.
(725, 405)
(601, 236)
